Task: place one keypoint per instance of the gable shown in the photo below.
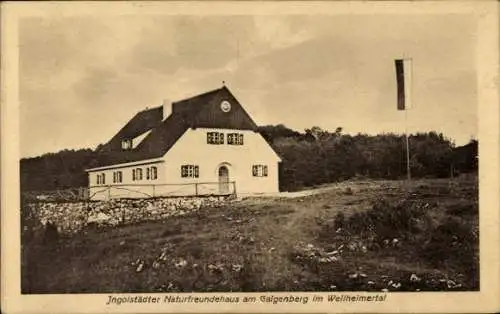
(204, 111)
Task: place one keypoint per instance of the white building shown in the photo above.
(207, 145)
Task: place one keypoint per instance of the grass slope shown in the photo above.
(363, 236)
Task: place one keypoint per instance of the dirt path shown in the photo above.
(355, 186)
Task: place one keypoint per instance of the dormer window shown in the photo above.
(126, 144)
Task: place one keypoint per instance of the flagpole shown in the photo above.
(404, 82)
(408, 171)
(410, 105)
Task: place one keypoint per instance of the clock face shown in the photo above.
(225, 106)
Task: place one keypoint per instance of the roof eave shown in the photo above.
(126, 164)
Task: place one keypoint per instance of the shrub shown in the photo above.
(339, 220)
(462, 210)
(51, 233)
(453, 243)
(386, 220)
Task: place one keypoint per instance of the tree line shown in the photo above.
(318, 156)
(309, 158)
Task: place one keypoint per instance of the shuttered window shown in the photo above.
(259, 170)
(137, 174)
(101, 178)
(235, 139)
(190, 171)
(117, 177)
(215, 138)
(154, 173)
(151, 173)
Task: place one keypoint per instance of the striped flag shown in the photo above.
(403, 78)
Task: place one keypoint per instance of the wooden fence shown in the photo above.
(107, 192)
(71, 194)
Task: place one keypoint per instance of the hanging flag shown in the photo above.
(403, 78)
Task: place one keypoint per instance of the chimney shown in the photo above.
(167, 108)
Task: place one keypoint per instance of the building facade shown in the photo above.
(207, 145)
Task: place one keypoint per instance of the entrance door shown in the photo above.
(223, 180)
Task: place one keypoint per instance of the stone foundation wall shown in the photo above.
(72, 217)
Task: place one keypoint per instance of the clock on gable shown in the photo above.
(225, 106)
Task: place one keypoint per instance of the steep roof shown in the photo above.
(200, 111)
(203, 111)
(142, 122)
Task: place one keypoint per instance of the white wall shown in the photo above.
(192, 148)
(118, 190)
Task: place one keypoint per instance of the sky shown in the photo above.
(82, 77)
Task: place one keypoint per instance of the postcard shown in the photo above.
(168, 157)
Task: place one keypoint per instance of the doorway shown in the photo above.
(223, 180)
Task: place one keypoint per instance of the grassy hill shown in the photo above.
(354, 236)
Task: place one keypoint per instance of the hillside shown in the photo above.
(357, 235)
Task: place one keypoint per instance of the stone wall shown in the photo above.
(72, 217)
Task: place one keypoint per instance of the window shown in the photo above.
(259, 170)
(126, 144)
(101, 178)
(190, 171)
(117, 177)
(235, 139)
(137, 174)
(151, 173)
(215, 138)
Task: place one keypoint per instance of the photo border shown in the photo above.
(486, 13)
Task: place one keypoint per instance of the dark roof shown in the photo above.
(201, 111)
(162, 138)
(143, 121)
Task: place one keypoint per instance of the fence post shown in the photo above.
(234, 188)
(109, 193)
(153, 190)
(196, 188)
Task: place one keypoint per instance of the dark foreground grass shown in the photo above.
(372, 236)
